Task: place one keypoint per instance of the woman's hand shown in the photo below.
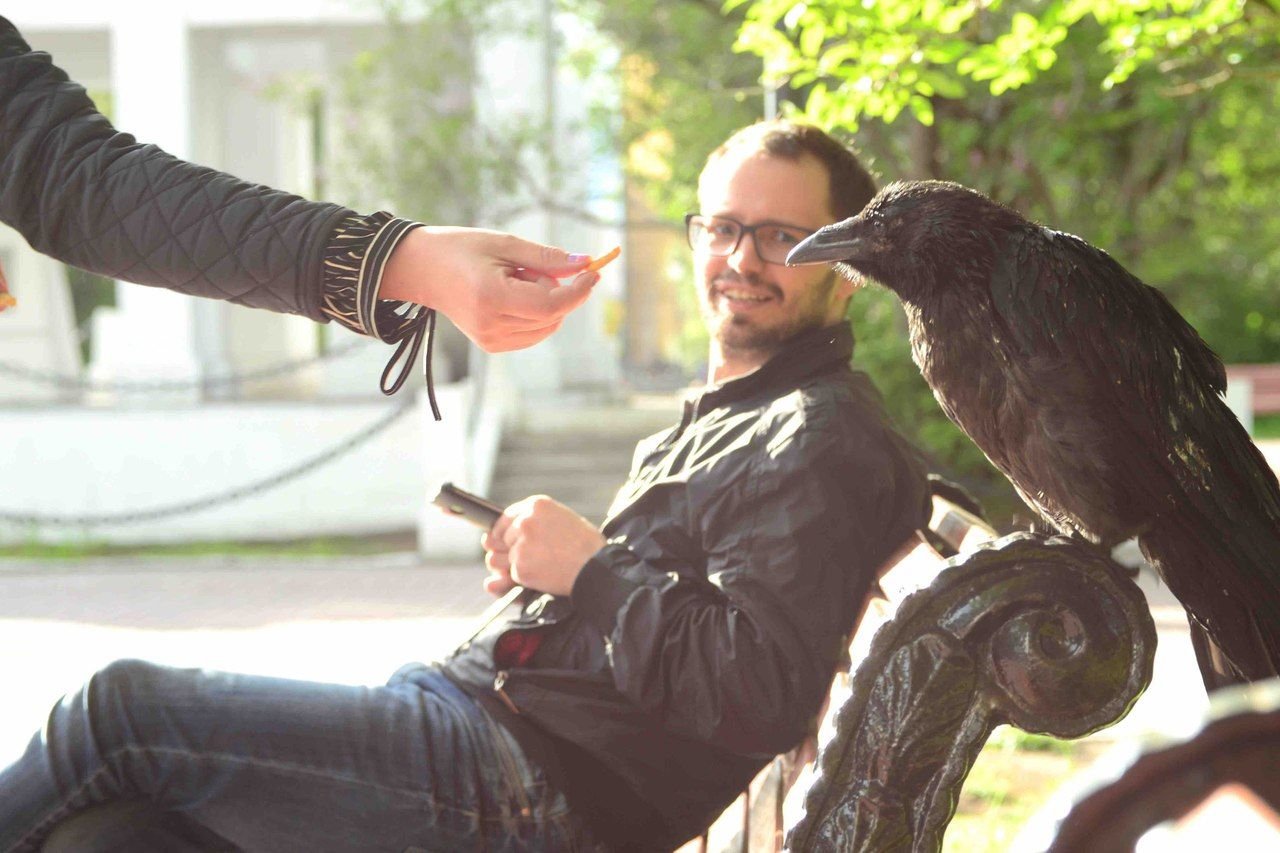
(500, 290)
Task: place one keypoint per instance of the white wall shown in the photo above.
(520, 76)
(76, 460)
(39, 332)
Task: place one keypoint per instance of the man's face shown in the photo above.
(750, 306)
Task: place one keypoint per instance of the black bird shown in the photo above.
(1089, 391)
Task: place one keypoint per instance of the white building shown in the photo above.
(201, 80)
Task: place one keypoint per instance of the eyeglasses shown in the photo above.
(720, 236)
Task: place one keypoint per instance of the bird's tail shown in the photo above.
(1229, 582)
(1216, 669)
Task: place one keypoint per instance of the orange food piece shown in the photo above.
(603, 259)
(6, 299)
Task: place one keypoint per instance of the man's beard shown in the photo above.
(740, 335)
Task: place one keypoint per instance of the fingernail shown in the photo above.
(578, 258)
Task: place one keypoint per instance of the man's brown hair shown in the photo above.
(849, 185)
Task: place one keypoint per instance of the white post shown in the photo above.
(590, 351)
(770, 97)
(1239, 399)
(512, 67)
(39, 334)
(150, 335)
(521, 76)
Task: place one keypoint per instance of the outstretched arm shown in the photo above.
(81, 191)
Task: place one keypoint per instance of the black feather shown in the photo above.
(1089, 391)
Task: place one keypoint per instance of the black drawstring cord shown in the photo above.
(420, 325)
(353, 279)
(426, 363)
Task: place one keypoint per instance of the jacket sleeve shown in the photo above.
(82, 192)
(743, 658)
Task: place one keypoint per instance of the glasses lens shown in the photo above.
(719, 236)
(774, 242)
(714, 235)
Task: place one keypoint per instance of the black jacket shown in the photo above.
(700, 641)
(87, 194)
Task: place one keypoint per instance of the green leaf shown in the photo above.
(811, 40)
(944, 84)
(946, 52)
(922, 109)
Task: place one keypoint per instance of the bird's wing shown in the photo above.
(1155, 384)
(1144, 364)
(1146, 370)
(1073, 288)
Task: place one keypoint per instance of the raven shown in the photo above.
(1089, 391)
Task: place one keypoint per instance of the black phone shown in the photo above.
(475, 509)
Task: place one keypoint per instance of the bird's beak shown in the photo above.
(838, 242)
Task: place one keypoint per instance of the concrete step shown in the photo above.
(584, 479)
(637, 416)
(577, 455)
(576, 441)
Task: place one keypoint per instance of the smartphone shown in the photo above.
(473, 508)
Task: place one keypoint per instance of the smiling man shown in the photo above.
(762, 192)
(693, 636)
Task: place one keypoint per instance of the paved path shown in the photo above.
(350, 620)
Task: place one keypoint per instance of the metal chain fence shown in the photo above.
(218, 498)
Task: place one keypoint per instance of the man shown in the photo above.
(671, 655)
(693, 637)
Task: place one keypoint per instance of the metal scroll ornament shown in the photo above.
(1046, 634)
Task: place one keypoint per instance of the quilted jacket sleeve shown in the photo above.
(81, 191)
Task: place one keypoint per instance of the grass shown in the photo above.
(1266, 426)
(1013, 777)
(325, 546)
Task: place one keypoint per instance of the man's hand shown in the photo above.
(540, 544)
(500, 290)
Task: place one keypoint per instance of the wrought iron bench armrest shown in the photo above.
(1046, 634)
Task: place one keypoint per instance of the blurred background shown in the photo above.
(135, 417)
(200, 483)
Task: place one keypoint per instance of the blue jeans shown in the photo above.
(277, 765)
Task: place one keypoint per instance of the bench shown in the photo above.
(963, 632)
(1218, 784)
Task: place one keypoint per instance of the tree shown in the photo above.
(408, 132)
(684, 89)
(1145, 126)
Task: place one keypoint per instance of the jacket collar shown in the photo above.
(11, 43)
(808, 354)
